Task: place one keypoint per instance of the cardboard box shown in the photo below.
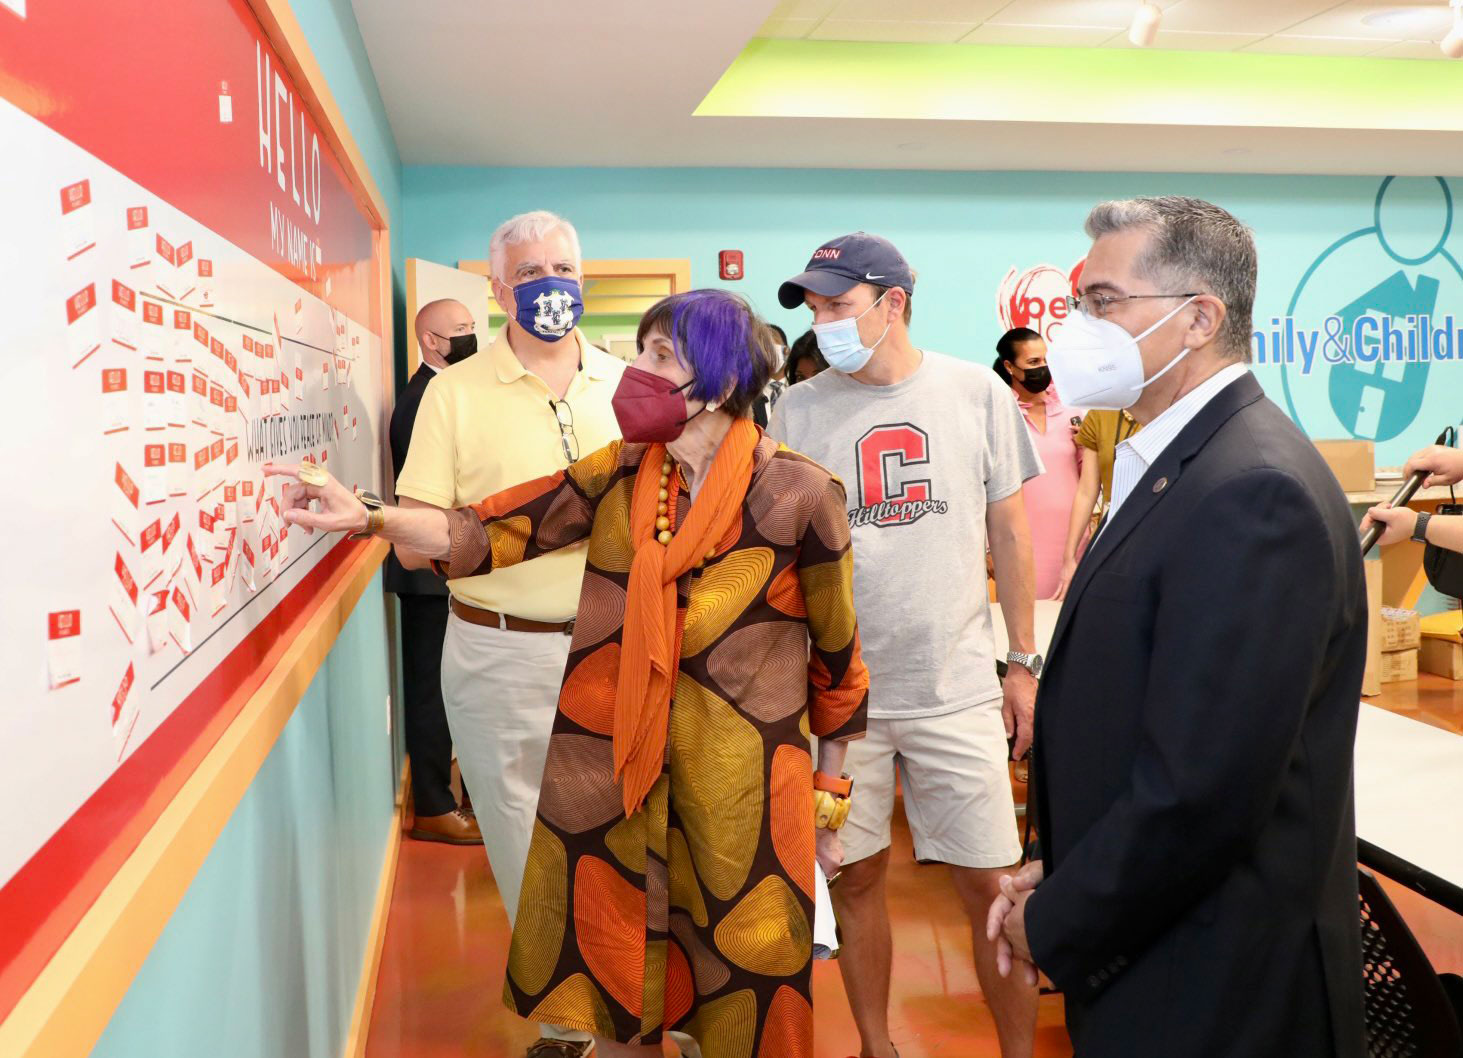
(1441, 658)
(1399, 666)
(1371, 681)
(1353, 462)
(1401, 629)
(1441, 652)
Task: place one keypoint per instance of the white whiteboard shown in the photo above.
(66, 726)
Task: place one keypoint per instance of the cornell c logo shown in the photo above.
(885, 501)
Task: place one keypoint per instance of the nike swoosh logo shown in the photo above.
(867, 276)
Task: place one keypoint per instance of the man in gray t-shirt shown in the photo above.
(933, 452)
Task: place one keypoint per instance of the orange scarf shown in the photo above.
(649, 647)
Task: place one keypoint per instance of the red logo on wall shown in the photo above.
(1036, 298)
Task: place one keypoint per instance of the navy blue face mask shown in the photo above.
(549, 308)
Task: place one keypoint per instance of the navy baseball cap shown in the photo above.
(839, 264)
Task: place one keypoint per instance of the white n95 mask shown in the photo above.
(840, 344)
(1096, 365)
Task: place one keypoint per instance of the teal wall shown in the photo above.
(335, 38)
(963, 232)
(330, 26)
(263, 956)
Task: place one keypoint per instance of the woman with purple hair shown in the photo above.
(670, 879)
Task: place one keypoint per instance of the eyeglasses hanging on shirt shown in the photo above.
(564, 415)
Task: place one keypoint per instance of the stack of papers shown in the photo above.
(825, 926)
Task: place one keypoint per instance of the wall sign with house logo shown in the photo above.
(1368, 357)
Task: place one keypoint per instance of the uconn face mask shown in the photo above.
(549, 308)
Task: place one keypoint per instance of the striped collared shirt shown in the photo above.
(1138, 453)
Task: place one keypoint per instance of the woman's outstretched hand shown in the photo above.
(338, 511)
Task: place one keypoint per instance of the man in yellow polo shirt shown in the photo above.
(535, 400)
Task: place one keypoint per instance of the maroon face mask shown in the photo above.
(649, 408)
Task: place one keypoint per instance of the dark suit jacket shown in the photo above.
(403, 417)
(1194, 735)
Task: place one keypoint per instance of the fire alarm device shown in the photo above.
(731, 264)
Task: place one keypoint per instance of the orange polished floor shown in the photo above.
(442, 967)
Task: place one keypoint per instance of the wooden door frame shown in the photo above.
(676, 270)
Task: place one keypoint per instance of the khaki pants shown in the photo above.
(501, 690)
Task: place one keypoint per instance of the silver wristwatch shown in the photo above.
(1031, 662)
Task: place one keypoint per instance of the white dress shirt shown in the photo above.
(1134, 456)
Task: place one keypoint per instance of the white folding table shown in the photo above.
(1409, 803)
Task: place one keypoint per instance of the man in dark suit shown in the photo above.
(446, 334)
(1196, 893)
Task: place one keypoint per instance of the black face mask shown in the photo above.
(1037, 379)
(460, 346)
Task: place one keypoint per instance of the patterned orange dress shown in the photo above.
(694, 914)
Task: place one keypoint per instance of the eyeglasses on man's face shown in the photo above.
(1097, 304)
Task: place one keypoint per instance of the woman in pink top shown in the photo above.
(1021, 363)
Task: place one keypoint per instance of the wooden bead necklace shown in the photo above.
(669, 486)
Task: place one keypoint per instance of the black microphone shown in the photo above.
(1399, 499)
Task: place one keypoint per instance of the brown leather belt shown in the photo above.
(493, 619)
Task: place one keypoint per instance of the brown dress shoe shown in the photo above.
(452, 828)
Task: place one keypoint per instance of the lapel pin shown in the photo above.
(1160, 485)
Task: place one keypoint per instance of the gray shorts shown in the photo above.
(956, 785)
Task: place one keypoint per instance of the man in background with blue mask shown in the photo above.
(1196, 894)
(536, 399)
(933, 452)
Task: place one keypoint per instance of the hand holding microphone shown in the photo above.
(1392, 522)
(1442, 464)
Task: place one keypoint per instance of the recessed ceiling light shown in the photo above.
(1144, 29)
(1411, 23)
(1452, 44)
